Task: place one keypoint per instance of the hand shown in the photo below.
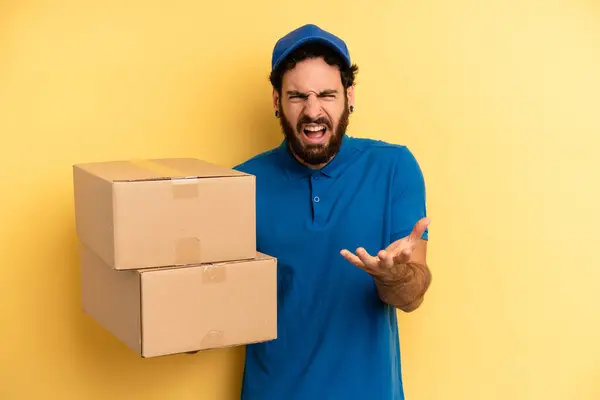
(390, 264)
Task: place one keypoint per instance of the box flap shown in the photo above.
(259, 258)
(157, 169)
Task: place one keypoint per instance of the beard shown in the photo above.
(315, 154)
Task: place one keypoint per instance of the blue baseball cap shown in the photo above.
(307, 34)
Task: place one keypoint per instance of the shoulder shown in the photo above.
(260, 163)
(397, 156)
(395, 161)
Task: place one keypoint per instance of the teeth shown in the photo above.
(314, 128)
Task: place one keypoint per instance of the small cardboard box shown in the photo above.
(163, 212)
(170, 310)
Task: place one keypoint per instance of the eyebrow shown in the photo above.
(322, 93)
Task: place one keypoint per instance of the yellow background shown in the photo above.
(499, 100)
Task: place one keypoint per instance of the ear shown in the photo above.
(350, 94)
(276, 101)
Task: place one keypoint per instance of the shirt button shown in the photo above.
(316, 199)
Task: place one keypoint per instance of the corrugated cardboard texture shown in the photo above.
(154, 213)
(183, 308)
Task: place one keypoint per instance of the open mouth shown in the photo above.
(314, 133)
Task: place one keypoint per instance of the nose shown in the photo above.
(312, 107)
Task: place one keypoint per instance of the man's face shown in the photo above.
(314, 110)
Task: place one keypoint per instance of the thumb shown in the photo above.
(419, 229)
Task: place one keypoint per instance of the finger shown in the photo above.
(369, 261)
(386, 259)
(403, 257)
(419, 229)
(353, 259)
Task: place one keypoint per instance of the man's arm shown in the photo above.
(409, 206)
(401, 272)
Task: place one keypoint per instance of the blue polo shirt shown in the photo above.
(336, 338)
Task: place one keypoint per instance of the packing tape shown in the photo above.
(183, 186)
(187, 251)
(214, 273)
(214, 338)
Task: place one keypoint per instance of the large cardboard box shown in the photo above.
(169, 310)
(163, 212)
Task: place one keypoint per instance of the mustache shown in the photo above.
(307, 120)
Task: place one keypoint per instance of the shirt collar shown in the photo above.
(295, 170)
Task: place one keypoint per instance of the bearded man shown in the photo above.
(346, 219)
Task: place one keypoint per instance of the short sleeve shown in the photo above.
(409, 199)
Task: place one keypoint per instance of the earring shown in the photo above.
(276, 114)
(351, 109)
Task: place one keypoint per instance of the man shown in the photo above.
(346, 219)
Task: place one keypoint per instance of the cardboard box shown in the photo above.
(164, 212)
(162, 311)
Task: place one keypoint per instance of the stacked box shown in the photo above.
(168, 255)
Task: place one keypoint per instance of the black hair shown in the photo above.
(314, 50)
